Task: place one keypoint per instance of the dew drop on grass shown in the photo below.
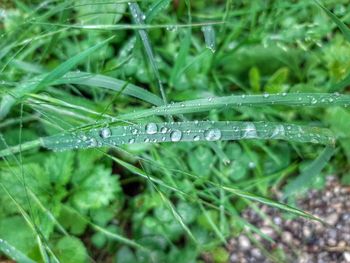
(212, 134)
(313, 101)
(251, 165)
(175, 136)
(163, 129)
(132, 140)
(196, 138)
(151, 128)
(209, 37)
(93, 142)
(266, 95)
(134, 131)
(250, 131)
(278, 131)
(105, 133)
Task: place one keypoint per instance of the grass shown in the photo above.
(138, 132)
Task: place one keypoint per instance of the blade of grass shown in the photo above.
(309, 174)
(13, 253)
(201, 105)
(139, 19)
(9, 100)
(185, 132)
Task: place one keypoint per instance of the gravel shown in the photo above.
(298, 239)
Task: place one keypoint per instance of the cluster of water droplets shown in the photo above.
(8, 249)
(185, 131)
(136, 13)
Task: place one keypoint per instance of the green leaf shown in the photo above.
(59, 168)
(276, 81)
(254, 79)
(125, 255)
(96, 189)
(70, 249)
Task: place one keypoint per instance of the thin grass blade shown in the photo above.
(9, 100)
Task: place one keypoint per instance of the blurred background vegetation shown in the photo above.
(83, 205)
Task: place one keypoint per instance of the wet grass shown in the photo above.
(205, 107)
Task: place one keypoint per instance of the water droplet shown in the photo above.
(151, 128)
(266, 95)
(132, 140)
(278, 131)
(93, 142)
(105, 133)
(212, 134)
(314, 140)
(175, 136)
(243, 96)
(134, 131)
(313, 101)
(163, 129)
(284, 94)
(251, 165)
(250, 131)
(196, 138)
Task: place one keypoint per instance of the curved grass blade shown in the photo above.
(186, 132)
(343, 28)
(270, 202)
(96, 80)
(106, 232)
(139, 18)
(346, 32)
(13, 253)
(9, 100)
(309, 174)
(201, 105)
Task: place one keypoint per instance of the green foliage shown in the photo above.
(173, 117)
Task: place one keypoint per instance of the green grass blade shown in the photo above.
(13, 253)
(201, 105)
(343, 28)
(186, 132)
(9, 100)
(156, 8)
(269, 202)
(309, 174)
(96, 80)
(106, 232)
(139, 18)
